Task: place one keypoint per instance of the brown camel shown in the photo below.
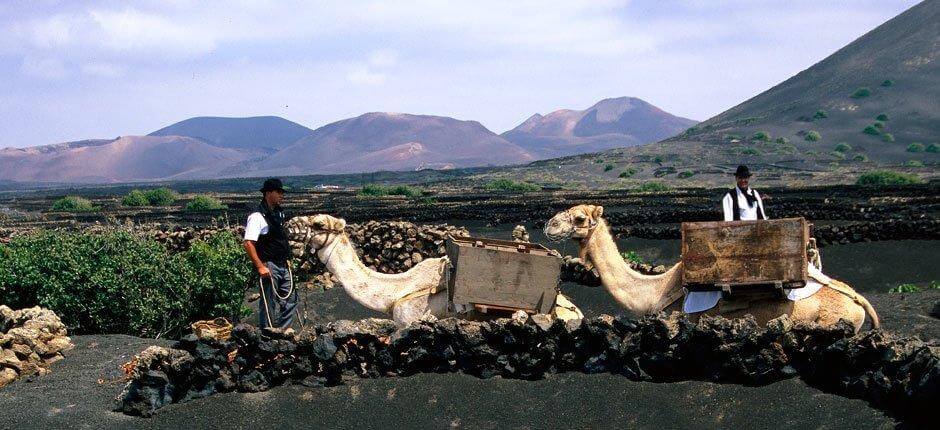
(644, 294)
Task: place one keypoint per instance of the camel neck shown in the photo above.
(637, 292)
(343, 262)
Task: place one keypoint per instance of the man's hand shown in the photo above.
(263, 271)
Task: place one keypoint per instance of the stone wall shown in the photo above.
(30, 341)
(899, 375)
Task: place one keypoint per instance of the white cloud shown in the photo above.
(131, 30)
(364, 76)
(53, 32)
(383, 58)
(105, 70)
(46, 68)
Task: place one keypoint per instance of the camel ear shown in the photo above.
(340, 224)
(598, 212)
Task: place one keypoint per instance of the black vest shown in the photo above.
(273, 246)
(736, 209)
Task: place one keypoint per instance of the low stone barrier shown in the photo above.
(899, 375)
(30, 341)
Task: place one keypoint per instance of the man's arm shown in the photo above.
(760, 203)
(253, 255)
(728, 207)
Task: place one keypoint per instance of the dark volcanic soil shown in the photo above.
(72, 397)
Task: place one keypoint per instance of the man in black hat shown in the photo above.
(743, 203)
(267, 246)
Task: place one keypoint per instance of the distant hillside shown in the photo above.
(127, 158)
(390, 141)
(874, 104)
(265, 134)
(611, 123)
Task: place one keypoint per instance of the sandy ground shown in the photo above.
(79, 392)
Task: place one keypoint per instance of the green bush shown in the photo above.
(161, 196)
(598, 161)
(203, 203)
(885, 177)
(887, 83)
(860, 157)
(633, 257)
(782, 140)
(608, 167)
(750, 151)
(820, 114)
(879, 125)
(905, 288)
(914, 163)
(812, 136)
(510, 185)
(843, 147)
(116, 282)
(135, 198)
(915, 147)
(686, 174)
(861, 93)
(872, 130)
(837, 154)
(627, 173)
(762, 136)
(651, 187)
(658, 159)
(376, 190)
(882, 117)
(887, 137)
(933, 148)
(73, 204)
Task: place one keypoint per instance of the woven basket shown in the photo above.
(218, 328)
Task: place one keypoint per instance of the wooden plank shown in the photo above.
(744, 252)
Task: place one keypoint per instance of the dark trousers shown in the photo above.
(281, 312)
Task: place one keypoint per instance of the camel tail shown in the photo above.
(859, 299)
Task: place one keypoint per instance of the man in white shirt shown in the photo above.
(267, 247)
(740, 204)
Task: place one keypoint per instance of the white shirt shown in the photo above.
(747, 212)
(256, 226)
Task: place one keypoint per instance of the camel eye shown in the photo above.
(580, 218)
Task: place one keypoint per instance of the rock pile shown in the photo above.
(30, 340)
(901, 375)
(574, 270)
(179, 239)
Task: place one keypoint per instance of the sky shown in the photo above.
(72, 70)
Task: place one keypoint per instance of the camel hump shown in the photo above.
(858, 299)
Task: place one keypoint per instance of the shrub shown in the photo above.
(820, 114)
(812, 136)
(915, 147)
(608, 167)
(648, 187)
(887, 83)
(762, 136)
(161, 196)
(598, 161)
(843, 147)
(658, 159)
(861, 93)
(633, 256)
(885, 177)
(837, 154)
(872, 130)
(914, 163)
(135, 198)
(860, 157)
(509, 185)
(933, 148)
(750, 151)
(879, 125)
(627, 173)
(882, 117)
(686, 174)
(905, 288)
(383, 190)
(782, 140)
(73, 204)
(203, 203)
(116, 282)
(887, 137)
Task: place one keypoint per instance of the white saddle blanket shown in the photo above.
(700, 301)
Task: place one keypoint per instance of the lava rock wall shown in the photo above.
(30, 341)
(900, 375)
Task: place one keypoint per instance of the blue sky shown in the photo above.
(73, 70)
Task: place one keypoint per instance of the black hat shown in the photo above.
(742, 172)
(272, 184)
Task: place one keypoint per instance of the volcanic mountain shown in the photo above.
(611, 123)
(264, 134)
(390, 141)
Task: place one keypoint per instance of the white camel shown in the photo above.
(407, 297)
(644, 294)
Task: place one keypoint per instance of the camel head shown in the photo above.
(574, 223)
(315, 231)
